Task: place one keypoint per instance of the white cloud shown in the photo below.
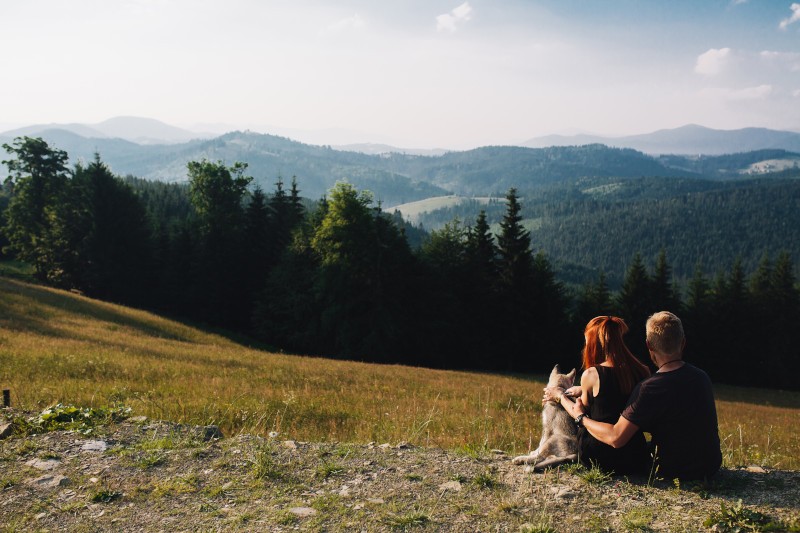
(794, 18)
(351, 23)
(713, 61)
(796, 93)
(733, 95)
(790, 60)
(448, 21)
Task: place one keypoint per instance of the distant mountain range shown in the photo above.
(134, 129)
(688, 140)
(153, 150)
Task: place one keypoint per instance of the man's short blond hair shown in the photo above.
(665, 333)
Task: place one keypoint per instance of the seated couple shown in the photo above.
(618, 399)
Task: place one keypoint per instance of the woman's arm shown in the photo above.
(590, 385)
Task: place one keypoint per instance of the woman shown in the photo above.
(611, 372)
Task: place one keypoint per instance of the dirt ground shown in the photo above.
(144, 475)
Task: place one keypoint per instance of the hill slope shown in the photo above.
(144, 473)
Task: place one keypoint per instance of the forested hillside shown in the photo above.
(599, 224)
(317, 167)
(339, 277)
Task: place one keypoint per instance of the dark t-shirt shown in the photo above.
(606, 407)
(677, 408)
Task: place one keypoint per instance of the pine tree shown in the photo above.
(39, 175)
(633, 305)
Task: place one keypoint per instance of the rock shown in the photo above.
(211, 432)
(5, 430)
(404, 445)
(291, 444)
(756, 469)
(454, 486)
(385, 446)
(138, 419)
(376, 501)
(40, 516)
(49, 481)
(39, 464)
(565, 494)
(94, 446)
(302, 512)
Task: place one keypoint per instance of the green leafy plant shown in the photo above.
(737, 518)
(637, 519)
(485, 480)
(105, 496)
(594, 475)
(327, 470)
(69, 418)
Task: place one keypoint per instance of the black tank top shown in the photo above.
(606, 407)
(609, 402)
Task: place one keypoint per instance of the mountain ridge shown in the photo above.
(691, 139)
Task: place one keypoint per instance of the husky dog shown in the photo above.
(559, 442)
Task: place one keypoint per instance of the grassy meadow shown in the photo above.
(57, 347)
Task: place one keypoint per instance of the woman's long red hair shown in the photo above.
(604, 343)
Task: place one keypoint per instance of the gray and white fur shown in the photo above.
(559, 443)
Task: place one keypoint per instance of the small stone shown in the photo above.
(41, 516)
(138, 419)
(211, 432)
(756, 469)
(404, 445)
(39, 464)
(302, 512)
(498, 452)
(565, 494)
(454, 486)
(5, 430)
(291, 444)
(50, 481)
(376, 501)
(94, 446)
(93, 480)
(385, 446)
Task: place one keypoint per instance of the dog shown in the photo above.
(559, 442)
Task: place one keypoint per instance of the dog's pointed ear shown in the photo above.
(571, 375)
(555, 371)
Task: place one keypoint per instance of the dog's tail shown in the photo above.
(556, 461)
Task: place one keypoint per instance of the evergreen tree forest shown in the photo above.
(338, 277)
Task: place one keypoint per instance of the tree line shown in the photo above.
(337, 277)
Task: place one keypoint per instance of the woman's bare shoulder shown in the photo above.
(589, 375)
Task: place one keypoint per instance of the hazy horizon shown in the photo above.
(434, 74)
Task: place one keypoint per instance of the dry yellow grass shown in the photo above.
(61, 347)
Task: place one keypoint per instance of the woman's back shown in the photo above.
(607, 406)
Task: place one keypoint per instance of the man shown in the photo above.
(675, 405)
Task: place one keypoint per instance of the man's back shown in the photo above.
(677, 408)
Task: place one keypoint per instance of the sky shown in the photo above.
(412, 73)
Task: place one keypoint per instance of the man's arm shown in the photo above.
(615, 435)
